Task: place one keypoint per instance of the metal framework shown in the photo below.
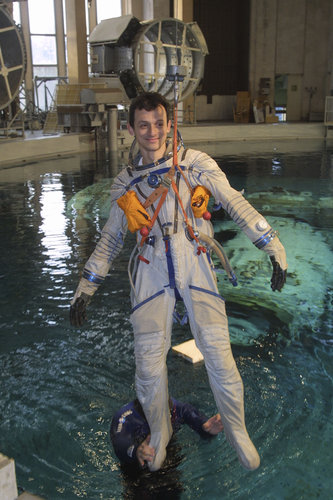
(166, 43)
(12, 72)
(12, 59)
(328, 118)
(139, 53)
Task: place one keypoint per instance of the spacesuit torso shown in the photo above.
(199, 169)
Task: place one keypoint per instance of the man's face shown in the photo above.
(151, 129)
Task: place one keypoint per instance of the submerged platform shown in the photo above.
(189, 351)
(8, 486)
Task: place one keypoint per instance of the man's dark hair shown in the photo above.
(148, 101)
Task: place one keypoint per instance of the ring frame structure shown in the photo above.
(12, 59)
(164, 43)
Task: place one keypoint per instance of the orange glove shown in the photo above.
(136, 215)
(199, 201)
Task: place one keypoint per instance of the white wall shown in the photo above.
(293, 38)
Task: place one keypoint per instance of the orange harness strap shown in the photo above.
(162, 191)
(176, 166)
(166, 183)
(158, 208)
(185, 178)
(187, 222)
(154, 196)
(175, 155)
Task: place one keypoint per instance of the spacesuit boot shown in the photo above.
(155, 404)
(245, 449)
(229, 399)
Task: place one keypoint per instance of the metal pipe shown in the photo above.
(113, 128)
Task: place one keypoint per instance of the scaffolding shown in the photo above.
(66, 111)
(328, 117)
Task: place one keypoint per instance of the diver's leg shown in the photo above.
(152, 323)
(209, 326)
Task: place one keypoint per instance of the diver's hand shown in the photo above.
(278, 277)
(77, 312)
(213, 425)
(145, 452)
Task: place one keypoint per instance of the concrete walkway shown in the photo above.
(35, 145)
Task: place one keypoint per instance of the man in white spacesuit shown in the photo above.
(173, 263)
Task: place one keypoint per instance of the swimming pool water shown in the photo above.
(61, 386)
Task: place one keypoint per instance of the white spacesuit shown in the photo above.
(171, 265)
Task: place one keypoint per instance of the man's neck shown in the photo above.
(152, 156)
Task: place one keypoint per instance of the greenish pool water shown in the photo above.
(61, 386)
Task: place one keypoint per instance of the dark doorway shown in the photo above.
(226, 27)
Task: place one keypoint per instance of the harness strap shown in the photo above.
(160, 171)
(158, 208)
(185, 178)
(187, 222)
(175, 155)
(171, 269)
(155, 195)
(162, 192)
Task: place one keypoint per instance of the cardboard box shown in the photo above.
(271, 119)
(242, 110)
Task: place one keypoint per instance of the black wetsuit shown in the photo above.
(129, 426)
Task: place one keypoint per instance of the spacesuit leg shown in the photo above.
(209, 326)
(152, 324)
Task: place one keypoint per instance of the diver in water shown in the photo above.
(162, 196)
(130, 433)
